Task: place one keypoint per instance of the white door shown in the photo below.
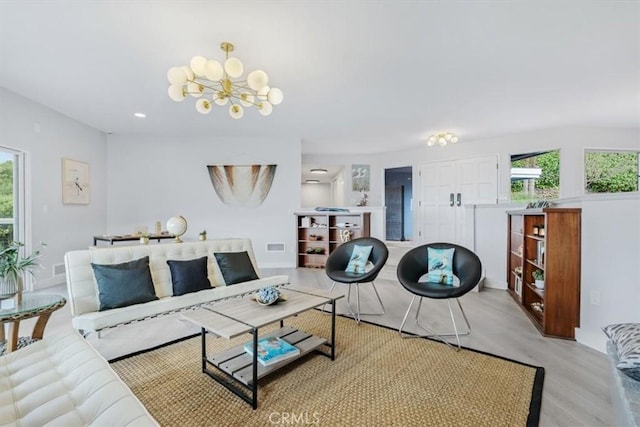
(436, 203)
(446, 187)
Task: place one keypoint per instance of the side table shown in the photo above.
(31, 305)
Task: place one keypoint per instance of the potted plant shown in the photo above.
(13, 265)
(203, 235)
(538, 276)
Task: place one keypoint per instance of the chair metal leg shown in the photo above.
(356, 317)
(432, 333)
(404, 320)
(358, 301)
(419, 307)
(378, 295)
(465, 317)
(333, 285)
(358, 312)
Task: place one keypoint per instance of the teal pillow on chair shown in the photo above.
(358, 260)
(440, 265)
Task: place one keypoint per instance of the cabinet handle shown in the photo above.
(458, 199)
(451, 202)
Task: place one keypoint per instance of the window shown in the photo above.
(10, 200)
(610, 171)
(535, 176)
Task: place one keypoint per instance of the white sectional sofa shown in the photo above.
(83, 290)
(63, 381)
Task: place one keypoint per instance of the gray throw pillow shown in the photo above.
(236, 267)
(626, 338)
(189, 276)
(121, 285)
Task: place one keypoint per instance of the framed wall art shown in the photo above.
(76, 186)
(360, 176)
(242, 185)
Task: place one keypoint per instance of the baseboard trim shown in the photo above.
(50, 282)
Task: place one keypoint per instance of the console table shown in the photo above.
(129, 238)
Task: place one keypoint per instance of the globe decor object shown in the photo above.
(177, 225)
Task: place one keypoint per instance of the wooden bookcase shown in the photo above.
(319, 233)
(547, 240)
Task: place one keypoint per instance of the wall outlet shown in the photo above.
(595, 298)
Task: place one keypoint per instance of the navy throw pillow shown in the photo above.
(121, 285)
(236, 267)
(189, 276)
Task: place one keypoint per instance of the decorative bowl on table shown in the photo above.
(268, 295)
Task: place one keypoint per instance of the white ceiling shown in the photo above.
(357, 76)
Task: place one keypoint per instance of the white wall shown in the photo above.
(47, 136)
(151, 179)
(154, 178)
(610, 225)
(314, 195)
(610, 266)
(351, 197)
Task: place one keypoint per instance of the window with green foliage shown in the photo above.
(7, 197)
(535, 176)
(610, 171)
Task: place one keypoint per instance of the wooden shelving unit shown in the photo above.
(547, 240)
(319, 233)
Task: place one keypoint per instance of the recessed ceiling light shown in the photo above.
(140, 115)
(318, 170)
(313, 181)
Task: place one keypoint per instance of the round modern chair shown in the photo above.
(414, 265)
(339, 259)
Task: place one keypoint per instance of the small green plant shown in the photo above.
(12, 264)
(538, 275)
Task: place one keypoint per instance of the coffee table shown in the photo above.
(238, 316)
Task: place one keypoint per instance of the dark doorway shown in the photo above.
(398, 194)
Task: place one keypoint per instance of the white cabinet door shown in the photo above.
(436, 204)
(445, 187)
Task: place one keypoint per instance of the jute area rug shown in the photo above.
(377, 379)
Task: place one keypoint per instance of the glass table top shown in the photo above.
(32, 302)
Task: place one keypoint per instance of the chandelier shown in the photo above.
(442, 139)
(221, 84)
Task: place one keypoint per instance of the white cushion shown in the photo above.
(83, 290)
(63, 381)
(97, 320)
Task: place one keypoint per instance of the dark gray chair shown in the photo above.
(414, 264)
(337, 263)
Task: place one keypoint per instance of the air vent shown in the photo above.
(58, 269)
(275, 247)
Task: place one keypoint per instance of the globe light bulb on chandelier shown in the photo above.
(442, 139)
(221, 84)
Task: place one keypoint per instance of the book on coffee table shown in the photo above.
(272, 350)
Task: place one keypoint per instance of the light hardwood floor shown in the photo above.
(577, 378)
